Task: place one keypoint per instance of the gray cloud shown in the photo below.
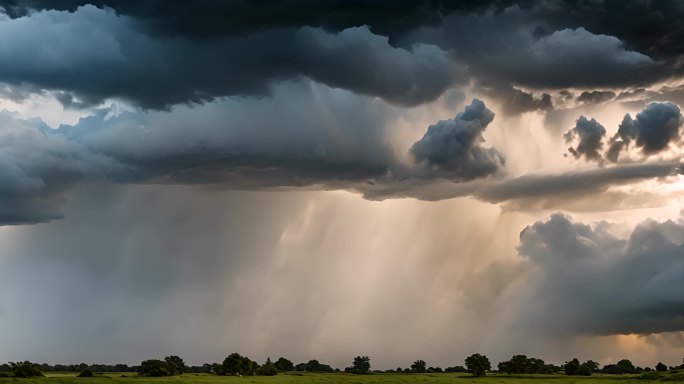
(592, 281)
(102, 55)
(454, 146)
(515, 101)
(595, 97)
(341, 144)
(590, 134)
(652, 130)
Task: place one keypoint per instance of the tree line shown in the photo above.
(237, 365)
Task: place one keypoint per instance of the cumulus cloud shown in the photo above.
(652, 130)
(454, 146)
(93, 54)
(590, 134)
(593, 281)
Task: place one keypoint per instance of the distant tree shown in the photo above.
(313, 366)
(478, 364)
(584, 370)
(660, 367)
(236, 364)
(154, 368)
(284, 365)
(571, 367)
(175, 365)
(592, 365)
(419, 366)
(267, 369)
(361, 364)
(626, 366)
(521, 364)
(25, 369)
(86, 373)
(457, 368)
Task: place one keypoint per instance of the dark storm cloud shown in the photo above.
(590, 134)
(595, 282)
(595, 97)
(38, 166)
(515, 101)
(340, 144)
(159, 53)
(652, 130)
(100, 55)
(453, 146)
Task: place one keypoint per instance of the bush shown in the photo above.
(86, 373)
(650, 376)
(5, 374)
(26, 369)
(154, 368)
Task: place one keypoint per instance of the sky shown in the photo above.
(320, 180)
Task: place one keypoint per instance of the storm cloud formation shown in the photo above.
(596, 282)
(408, 52)
(454, 146)
(590, 134)
(652, 130)
(119, 61)
(366, 162)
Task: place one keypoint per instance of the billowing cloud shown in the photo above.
(652, 130)
(93, 54)
(590, 134)
(593, 281)
(454, 146)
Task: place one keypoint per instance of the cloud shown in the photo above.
(652, 130)
(515, 101)
(595, 97)
(453, 146)
(93, 54)
(590, 134)
(232, 144)
(38, 166)
(592, 281)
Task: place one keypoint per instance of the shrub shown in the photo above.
(26, 369)
(86, 373)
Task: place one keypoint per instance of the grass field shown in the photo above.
(333, 378)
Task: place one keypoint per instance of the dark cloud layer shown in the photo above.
(159, 53)
(102, 55)
(341, 144)
(595, 282)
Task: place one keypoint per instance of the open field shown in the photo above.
(333, 378)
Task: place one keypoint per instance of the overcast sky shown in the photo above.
(318, 180)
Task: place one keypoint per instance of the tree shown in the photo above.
(571, 367)
(268, 369)
(660, 367)
(25, 369)
(284, 365)
(236, 364)
(361, 364)
(154, 368)
(419, 366)
(86, 373)
(477, 364)
(175, 365)
(626, 366)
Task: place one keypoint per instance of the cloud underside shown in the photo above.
(592, 281)
(157, 55)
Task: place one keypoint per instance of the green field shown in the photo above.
(341, 378)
